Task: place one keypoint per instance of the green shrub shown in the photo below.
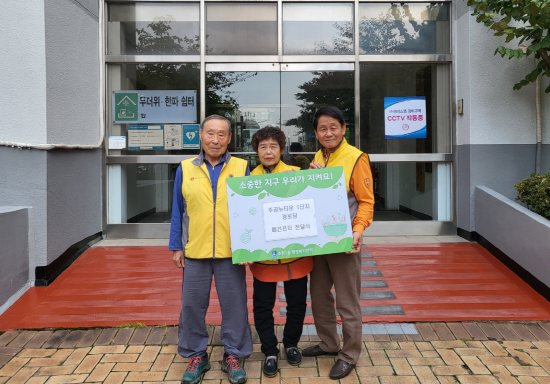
(535, 192)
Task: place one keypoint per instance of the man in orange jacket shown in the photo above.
(343, 270)
(268, 143)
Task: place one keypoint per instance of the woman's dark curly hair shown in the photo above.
(269, 132)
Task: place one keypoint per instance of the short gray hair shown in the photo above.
(217, 117)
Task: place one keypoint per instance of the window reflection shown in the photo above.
(241, 29)
(153, 29)
(404, 28)
(318, 29)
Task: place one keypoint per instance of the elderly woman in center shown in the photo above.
(269, 143)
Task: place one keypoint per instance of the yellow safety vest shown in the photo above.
(281, 167)
(345, 155)
(208, 232)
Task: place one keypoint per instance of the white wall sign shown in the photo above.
(405, 117)
(173, 136)
(117, 142)
(142, 137)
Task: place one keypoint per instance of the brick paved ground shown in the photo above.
(443, 353)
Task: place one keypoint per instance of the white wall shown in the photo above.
(494, 112)
(23, 74)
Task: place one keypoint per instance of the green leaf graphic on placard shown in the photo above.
(232, 194)
(285, 184)
(242, 255)
(335, 186)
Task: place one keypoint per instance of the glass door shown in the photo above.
(253, 96)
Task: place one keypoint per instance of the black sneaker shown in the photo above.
(293, 356)
(270, 366)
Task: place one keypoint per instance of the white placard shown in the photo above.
(117, 142)
(405, 117)
(289, 219)
(173, 136)
(145, 137)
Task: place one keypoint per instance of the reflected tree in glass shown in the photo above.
(326, 88)
(402, 30)
(156, 38)
(342, 42)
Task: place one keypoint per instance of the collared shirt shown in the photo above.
(177, 201)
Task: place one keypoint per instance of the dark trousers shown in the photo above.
(264, 301)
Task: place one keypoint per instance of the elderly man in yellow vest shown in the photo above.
(343, 270)
(200, 241)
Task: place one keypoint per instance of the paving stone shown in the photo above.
(475, 365)
(401, 366)
(425, 375)
(325, 364)
(443, 332)
(13, 366)
(134, 349)
(538, 331)
(120, 358)
(129, 367)
(448, 344)
(472, 352)
(522, 332)
(4, 360)
(149, 354)
(519, 370)
(89, 338)
(522, 357)
(22, 339)
(162, 363)
(56, 370)
(459, 331)
(45, 361)
(7, 337)
(450, 357)
(123, 336)
(381, 345)
(426, 331)
(88, 364)
(382, 338)
(72, 339)
(77, 356)
(425, 361)
(382, 310)
(36, 380)
(171, 336)
(424, 346)
(56, 339)
(156, 336)
(429, 354)
(398, 337)
(37, 352)
(67, 379)
(139, 336)
(9, 351)
(544, 362)
(378, 357)
(492, 360)
(107, 349)
(106, 337)
(39, 339)
(115, 378)
(445, 370)
(518, 344)
(474, 331)
(100, 372)
(495, 348)
(382, 370)
(506, 332)
(398, 380)
(145, 376)
(22, 375)
(477, 379)
(490, 331)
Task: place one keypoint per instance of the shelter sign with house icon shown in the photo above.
(126, 106)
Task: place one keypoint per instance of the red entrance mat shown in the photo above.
(109, 286)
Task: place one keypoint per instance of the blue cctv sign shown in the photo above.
(155, 107)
